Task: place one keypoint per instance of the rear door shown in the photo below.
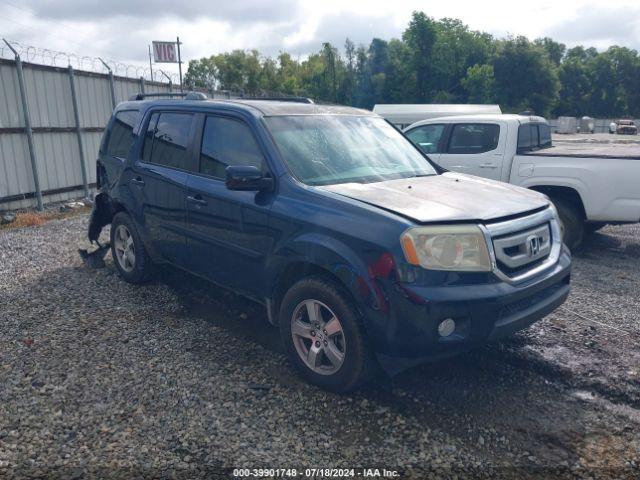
(158, 181)
(474, 148)
(228, 235)
(115, 147)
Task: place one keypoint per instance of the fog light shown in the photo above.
(446, 327)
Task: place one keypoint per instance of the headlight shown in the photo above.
(447, 247)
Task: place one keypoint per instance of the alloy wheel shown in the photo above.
(125, 249)
(318, 337)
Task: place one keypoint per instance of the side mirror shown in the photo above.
(247, 178)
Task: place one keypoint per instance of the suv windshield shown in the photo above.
(330, 149)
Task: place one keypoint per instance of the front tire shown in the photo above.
(593, 227)
(129, 255)
(571, 222)
(323, 335)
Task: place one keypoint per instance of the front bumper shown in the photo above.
(409, 328)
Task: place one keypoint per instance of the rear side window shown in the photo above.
(544, 134)
(533, 136)
(525, 137)
(167, 138)
(474, 138)
(121, 134)
(427, 137)
(227, 142)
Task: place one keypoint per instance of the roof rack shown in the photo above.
(280, 99)
(186, 95)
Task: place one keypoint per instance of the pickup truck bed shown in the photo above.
(630, 151)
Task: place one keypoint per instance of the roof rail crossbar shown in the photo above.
(281, 99)
(186, 95)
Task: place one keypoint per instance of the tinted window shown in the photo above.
(533, 136)
(121, 134)
(167, 138)
(474, 138)
(427, 137)
(525, 139)
(544, 135)
(227, 142)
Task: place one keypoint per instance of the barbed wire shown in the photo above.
(58, 58)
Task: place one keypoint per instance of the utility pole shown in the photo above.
(179, 63)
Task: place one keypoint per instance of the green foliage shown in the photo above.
(525, 76)
(440, 61)
(479, 84)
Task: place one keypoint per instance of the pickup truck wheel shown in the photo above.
(323, 335)
(129, 255)
(571, 223)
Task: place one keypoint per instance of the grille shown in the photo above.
(520, 251)
(523, 246)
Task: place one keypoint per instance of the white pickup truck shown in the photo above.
(591, 185)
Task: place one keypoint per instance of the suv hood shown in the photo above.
(446, 197)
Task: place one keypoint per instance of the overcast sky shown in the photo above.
(122, 29)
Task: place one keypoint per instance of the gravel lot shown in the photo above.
(179, 379)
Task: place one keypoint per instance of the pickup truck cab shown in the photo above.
(362, 251)
(590, 185)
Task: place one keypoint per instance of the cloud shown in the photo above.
(600, 27)
(122, 29)
(238, 11)
(336, 27)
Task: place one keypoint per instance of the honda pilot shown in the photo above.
(363, 252)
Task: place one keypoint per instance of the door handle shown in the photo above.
(138, 181)
(488, 165)
(197, 199)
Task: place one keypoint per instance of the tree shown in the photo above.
(456, 49)
(525, 77)
(575, 87)
(329, 54)
(479, 84)
(420, 37)
(202, 73)
(441, 61)
(554, 49)
(350, 76)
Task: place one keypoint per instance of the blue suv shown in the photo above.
(363, 251)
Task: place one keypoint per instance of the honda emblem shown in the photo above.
(533, 246)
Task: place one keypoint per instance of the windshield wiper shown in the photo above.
(417, 175)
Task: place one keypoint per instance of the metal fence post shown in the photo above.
(76, 115)
(27, 126)
(141, 84)
(112, 88)
(168, 78)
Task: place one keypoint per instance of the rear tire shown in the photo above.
(333, 356)
(571, 222)
(129, 255)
